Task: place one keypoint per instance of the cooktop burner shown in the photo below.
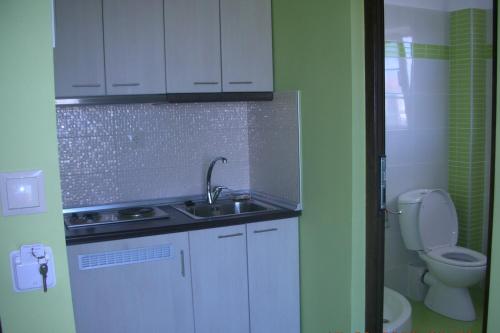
(135, 212)
(130, 214)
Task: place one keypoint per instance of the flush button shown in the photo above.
(22, 192)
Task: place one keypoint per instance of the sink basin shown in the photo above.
(202, 210)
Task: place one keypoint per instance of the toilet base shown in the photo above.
(454, 303)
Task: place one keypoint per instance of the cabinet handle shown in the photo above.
(183, 267)
(240, 82)
(134, 84)
(231, 235)
(90, 85)
(264, 230)
(197, 83)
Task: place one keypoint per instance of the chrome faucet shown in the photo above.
(213, 193)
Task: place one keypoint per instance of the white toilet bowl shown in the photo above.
(455, 272)
(448, 293)
(429, 226)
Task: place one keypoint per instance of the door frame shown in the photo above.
(375, 149)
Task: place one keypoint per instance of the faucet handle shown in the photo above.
(217, 191)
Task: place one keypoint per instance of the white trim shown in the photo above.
(442, 5)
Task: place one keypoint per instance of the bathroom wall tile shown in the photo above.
(430, 146)
(398, 112)
(399, 148)
(429, 76)
(431, 176)
(397, 75)
(416, 25)
(399, 180)
(430, 111)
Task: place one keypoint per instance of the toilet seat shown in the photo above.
(437, 221)
(457, 256)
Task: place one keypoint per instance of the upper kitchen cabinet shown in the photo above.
(218, 45)
(246, 45)
(192, 37)
(134, 46)
(79, 54)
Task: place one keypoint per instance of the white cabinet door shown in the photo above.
(79, 54)
(273, 275)
(246, 36)
(134, 46)
(132, 285)
(192, 38)
(220, 286)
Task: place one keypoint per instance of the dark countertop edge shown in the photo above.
(193, 225)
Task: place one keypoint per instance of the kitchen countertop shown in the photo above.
(177, 222)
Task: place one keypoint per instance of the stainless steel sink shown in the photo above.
(201, 210)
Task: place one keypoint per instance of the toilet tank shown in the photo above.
(409, 205)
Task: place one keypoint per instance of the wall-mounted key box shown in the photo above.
(25, 267)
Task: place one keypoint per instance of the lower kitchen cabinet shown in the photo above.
(132, 285)
(236, 279)
(273, 276)
(220, 285)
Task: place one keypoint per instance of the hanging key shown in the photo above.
(43, 271)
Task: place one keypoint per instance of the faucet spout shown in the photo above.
(213, 193)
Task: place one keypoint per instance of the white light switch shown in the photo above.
(22, 192)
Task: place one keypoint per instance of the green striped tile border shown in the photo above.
(414, 50)
(427, 51)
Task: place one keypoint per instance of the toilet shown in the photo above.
(429, 226)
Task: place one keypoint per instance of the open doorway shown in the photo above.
(428, 228)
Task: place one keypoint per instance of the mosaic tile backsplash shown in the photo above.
(120, 153)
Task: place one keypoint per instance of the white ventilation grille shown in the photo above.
(124, 257)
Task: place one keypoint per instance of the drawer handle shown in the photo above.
(196, 83)
(231, 235)
(90, 85)
(240, 82)
(183, 266)
(134, 84)
(264, 230)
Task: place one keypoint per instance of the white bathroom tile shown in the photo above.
(430, 146)
(397, 75)
(399, 147)
(397, 279)
(399, 180)
(430, 176)
(430, 111)
(417, 25)
(397, 109)
(431, 27)
(430, 76)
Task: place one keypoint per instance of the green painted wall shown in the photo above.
(318, 50)
(358, 168)
(494, 305)
(27, 142)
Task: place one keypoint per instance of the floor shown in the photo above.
(427, 321)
